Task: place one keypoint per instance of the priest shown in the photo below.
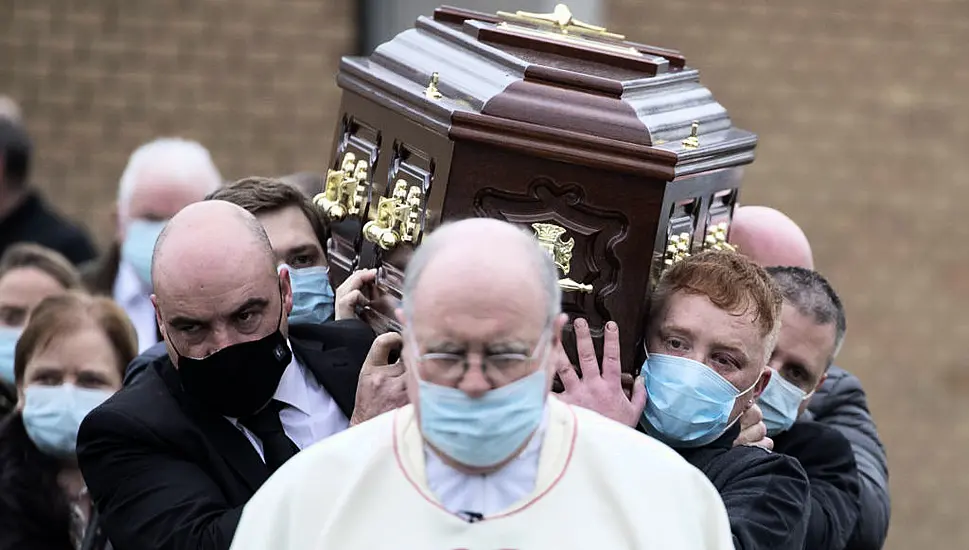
(485, 457)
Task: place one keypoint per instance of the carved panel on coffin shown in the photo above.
(397, 223)
(348, 192)
(580, 238)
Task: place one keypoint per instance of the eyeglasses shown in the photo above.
(451, 368)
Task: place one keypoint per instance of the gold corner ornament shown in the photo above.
(693, 141)
(562, 20)
(550, 238)
(345, 189)
(431, 92)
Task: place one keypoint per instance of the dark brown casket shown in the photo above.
(610, 150)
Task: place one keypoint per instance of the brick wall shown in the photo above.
(862, 109)
(250, 79)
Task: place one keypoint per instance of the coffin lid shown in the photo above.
(570, 92)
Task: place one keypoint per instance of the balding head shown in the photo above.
(483, 257)
(9, 109)
(215, 279)
(770, 238)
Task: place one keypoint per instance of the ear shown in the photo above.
(286, 288)
(557, 325)
(158, 319)
(821, 381)
(762, 383)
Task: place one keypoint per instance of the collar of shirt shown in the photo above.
(296, 386)
(489, 493)
(128, 288)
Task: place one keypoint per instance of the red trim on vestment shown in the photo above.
(417, 487)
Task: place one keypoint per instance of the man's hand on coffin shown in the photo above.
(600, 390)
(382, 385)
(353, 293)
(753, 431)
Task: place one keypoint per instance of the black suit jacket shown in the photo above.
(168, 474)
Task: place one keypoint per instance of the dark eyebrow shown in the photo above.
(301, 249)
(183, 320)
(251, 303)
(43, 371)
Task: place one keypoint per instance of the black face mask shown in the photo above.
(238, 380)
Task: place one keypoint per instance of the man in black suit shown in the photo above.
(172, 459)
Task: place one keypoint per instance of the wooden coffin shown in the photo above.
(610, 150)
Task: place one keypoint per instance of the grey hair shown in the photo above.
(811, 295)
(547, 271)
(176, 158)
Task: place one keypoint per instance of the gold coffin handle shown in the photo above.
(345, 189)
(398, 217)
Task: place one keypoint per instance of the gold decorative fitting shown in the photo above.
(677, 248)
(716, 238)
(550, 239)
(562, 20)
(398, 217)
(345, 190)
(693, 141)
(431, 92)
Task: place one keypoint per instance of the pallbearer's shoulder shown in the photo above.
(623, 442)
(347, 451)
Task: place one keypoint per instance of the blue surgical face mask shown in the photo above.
(688, 404)
(779, 403)
(8, 342)
(53, 414)
(487, 430)
(139, 244)
(484, 431)
(312, 296)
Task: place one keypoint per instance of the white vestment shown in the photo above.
(599, 485)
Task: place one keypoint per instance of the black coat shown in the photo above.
(36, 222)
(829, 463)
(841, 404)
(767, 495)
(168, 474)
(34, 512)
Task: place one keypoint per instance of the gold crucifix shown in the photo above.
(562, 20)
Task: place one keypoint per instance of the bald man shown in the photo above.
(772, 239)
(171, 459)
(485, 457)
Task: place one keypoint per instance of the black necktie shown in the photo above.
(266, 425)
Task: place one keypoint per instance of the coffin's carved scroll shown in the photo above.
(588, 255)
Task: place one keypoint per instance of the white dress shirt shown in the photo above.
(134, 296)
(311, 414)
(487, 494)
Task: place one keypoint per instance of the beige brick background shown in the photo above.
(862, 107)
(253, 80)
